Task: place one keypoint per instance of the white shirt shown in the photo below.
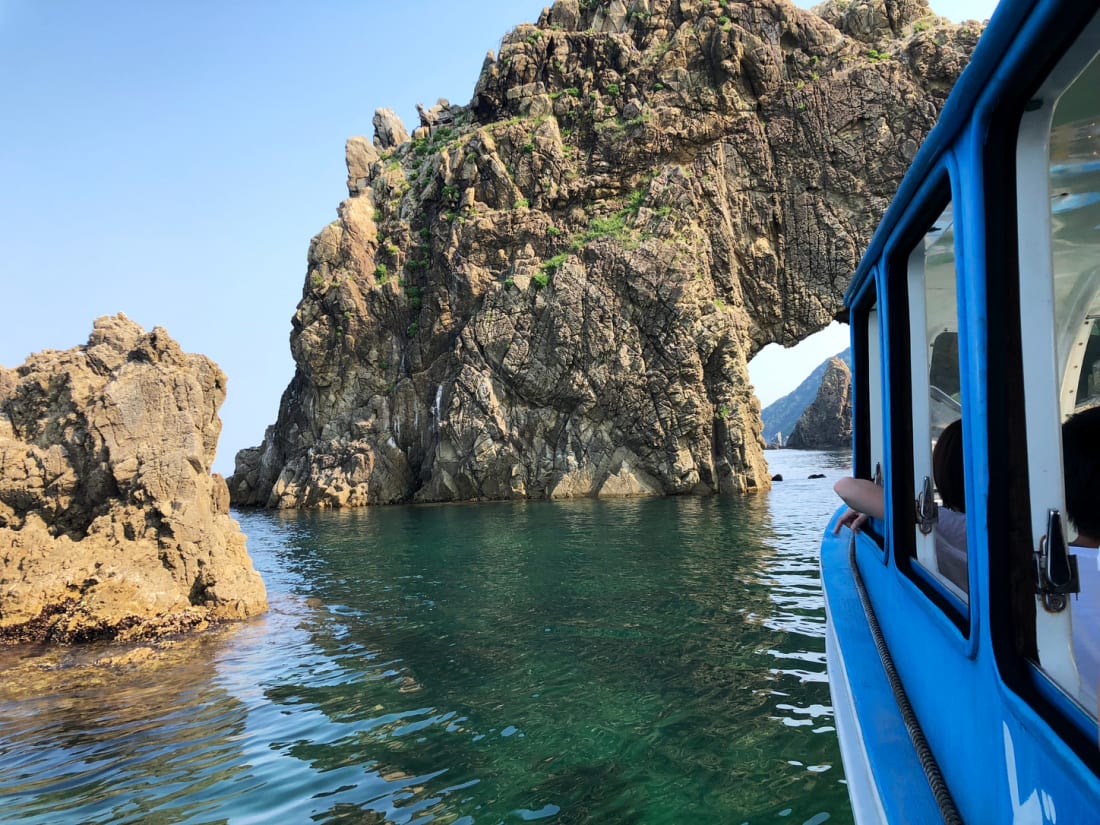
(1085, 618)
(951, 547)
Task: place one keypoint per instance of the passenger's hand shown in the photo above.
(851, 518)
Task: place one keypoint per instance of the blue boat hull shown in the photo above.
(999, 760)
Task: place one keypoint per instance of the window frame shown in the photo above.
(867, 399)
(1016, 238)
(1040, 344)
(901, 344)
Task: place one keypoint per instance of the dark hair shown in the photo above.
(1081, 463)
(947, 467)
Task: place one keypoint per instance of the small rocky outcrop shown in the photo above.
(827, 423)
(555, 290)
(111, 523)
(389, 131)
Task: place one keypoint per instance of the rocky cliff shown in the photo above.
(111, 524)
(779, 417)
(554, 290)
(827, 423)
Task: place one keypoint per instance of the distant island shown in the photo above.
(829, 424)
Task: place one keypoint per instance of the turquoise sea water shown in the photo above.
(639, 661)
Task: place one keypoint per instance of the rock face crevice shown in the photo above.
(111, 523)
(555, 290)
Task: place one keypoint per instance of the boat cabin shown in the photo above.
(977, 300)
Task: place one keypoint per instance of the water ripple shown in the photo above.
(616, 662)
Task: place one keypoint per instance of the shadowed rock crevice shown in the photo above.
(555, 290)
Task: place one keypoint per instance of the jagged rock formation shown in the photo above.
(389, 132)
(557, 293)
(111, 524)
(827, 422)
(780, 417)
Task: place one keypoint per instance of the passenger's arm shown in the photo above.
(864, 498)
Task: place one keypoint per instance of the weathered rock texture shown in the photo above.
(555, 290)
(827, 423)
(111, 524)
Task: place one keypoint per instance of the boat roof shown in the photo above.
(994, 43)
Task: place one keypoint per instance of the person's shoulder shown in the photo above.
(1088, 563)
(948, 516)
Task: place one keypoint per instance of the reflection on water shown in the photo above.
(641, 661)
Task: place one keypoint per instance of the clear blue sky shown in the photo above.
(172, 160)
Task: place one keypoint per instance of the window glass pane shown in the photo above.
(1075, 229)
(945, 401)
(940, 529)
(1074, 169)
(870, 456)
(874, 396)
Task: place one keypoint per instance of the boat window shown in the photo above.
(1059, 155)
(940, 524)
(876, 453)
(869, 459)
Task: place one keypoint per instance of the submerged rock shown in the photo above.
(555, 290)
(111, 523)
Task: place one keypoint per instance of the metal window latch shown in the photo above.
(927, 511)
(1055, 569)
(877, 477)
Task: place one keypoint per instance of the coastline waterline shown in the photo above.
(635, 661)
